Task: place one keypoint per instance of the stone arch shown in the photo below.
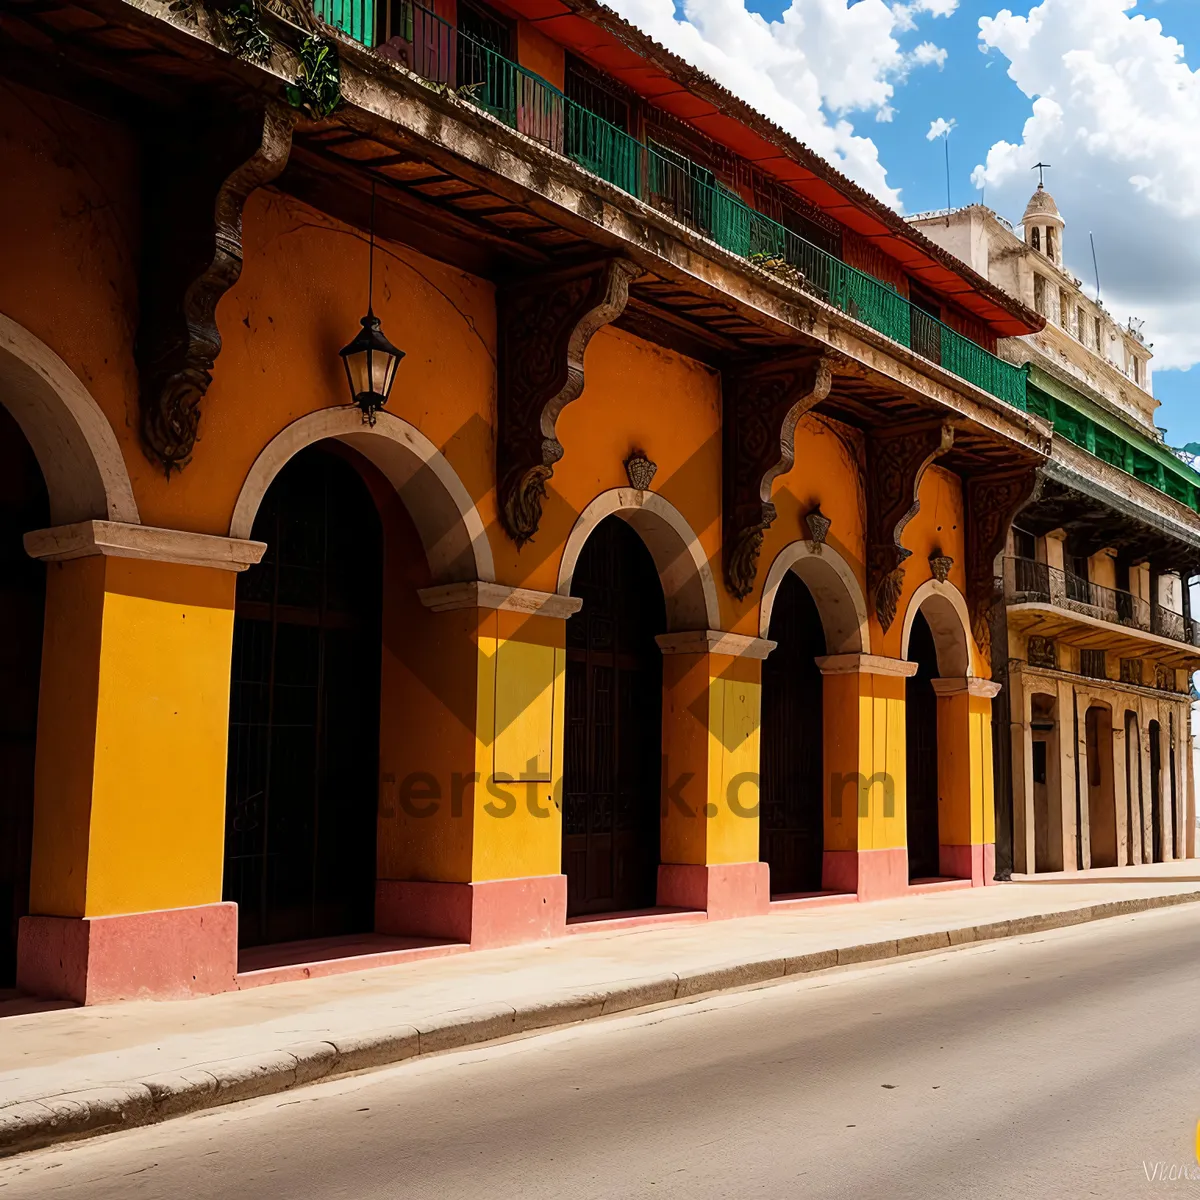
(75, 446)
(834, 587)
(684, 571)
(944, 607)
(447, 520)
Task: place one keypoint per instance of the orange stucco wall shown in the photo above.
(136, 663)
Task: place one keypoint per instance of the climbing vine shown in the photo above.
(318, 87)
(243, 26)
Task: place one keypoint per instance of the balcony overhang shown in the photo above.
(1102, 507)
(1037, 619)
(468, 189)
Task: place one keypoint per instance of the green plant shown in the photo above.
(318, 87)
(244, 27)
(778, 266)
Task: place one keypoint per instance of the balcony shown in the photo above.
(1047, 601)
(437, 51)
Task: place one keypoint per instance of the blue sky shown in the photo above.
(974, 89)
(1110, 101)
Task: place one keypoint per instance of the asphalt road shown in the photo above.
(1059, 1065)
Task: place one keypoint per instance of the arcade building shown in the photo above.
(466, 475)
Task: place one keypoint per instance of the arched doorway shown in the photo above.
(921, 737)
(1047, 796)
(1156, 797)
(613, 736)
(304, 709)
(791, 826)
(1135, 807)
(1101, 797)
(24, 505)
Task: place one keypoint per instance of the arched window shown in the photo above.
(1050, 246)
(1036, 238)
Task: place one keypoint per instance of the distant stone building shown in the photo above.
(1093, 727)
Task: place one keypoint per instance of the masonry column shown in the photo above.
(1083, 812)
(866, 835)
(712, 701)
(129, 809)
(966, 803)
(1164, 785)
(470, 832)
(1020, 708)
(1120, 790)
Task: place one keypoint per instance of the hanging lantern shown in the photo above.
(370, 359)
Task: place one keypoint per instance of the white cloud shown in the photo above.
(810, 71)
(1115, 111)
(939, 128)
(927, 54)
(906, 13)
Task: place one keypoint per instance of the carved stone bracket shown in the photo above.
(896, 461)
(545, 324)
(762, 404)
(992, 501)
(197, 182)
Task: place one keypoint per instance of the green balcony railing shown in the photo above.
(690, 193)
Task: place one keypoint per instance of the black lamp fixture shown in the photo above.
(370, 360)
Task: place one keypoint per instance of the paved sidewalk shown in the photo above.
(69, 1072)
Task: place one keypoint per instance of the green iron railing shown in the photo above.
(1140, 461)
(690, 193)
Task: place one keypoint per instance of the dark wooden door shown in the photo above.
(613, 737)
(922, 754)
(791, 826)
(304, 710)
(23, 506)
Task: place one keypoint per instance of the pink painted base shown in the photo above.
(722, 890)
(170, 954)
(976, 863)
(642, 918)
(497, 912)
(288, 962)
(873, 874)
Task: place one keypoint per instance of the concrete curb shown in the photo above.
(31, 1124)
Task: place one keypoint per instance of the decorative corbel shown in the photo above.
(545, 324)
(762, 404)
(992, 501)
(197, 182)
(896, 462)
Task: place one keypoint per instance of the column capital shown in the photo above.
(970, 684)
(478, 593)
(714, 641)
(865, 664)
(115, 539)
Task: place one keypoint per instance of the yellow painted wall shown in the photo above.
(140, 689)
(735, 699)
(865, 760)
(518, 817)
(158, 798)
(66, 738)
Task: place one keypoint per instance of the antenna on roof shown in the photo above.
(1095, 264)
(1041, 168)
(946, 139)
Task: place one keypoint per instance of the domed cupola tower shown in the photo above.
(1043, 225)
